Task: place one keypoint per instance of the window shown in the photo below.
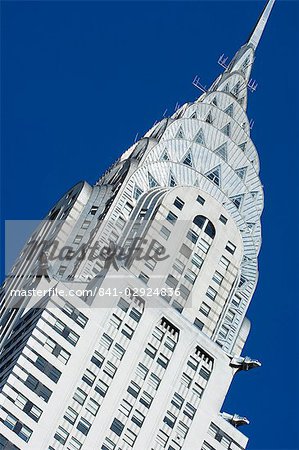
(192, 236)
(190, 276)
(127, 331)
(117, 427)
(176, 305)
(101, 388)
(138, 418)
(123, 304)
(170, 343)
(85, 224)
(84, 426)
(163, 361)
(178, 203)
(80, 396)
(146, 399)
(192, 362)
(89, 377)
(118, 351)
(186, 380)
(164, 232)
(224, 262)
(17, 427)
(204, 373)
(74, 314)
(40, 389)
(205, 309)
(171, 218)
(200, 200)
(141, 371)
(211, 293)
(177, 400)
(199, 221)
(169, 419)
(184, 292)
(110, 369)
(61, 435)
(162, 438)
(106, 341)
(92, 406)
(150, 350)
(115, 321)
(197, 390)
(74, 444)
(70, 415)
(223, 219)
(210, 230)
(178, 266)
(154, 381)
(127, 209)
(206, 446)
(137, 192)
(189, 411)
(93, 210)
(130, 437)
(151, 263)
(198, 323)
(230, 247)
(125, 408)
(133, 389)
(203, 245)
(143, 277)
(97, 359)
(214, 175)
(171, 281)
(217, 277)
(187, 159)
(222, 151)
(223, 332)
(182, 429)
(197, 260)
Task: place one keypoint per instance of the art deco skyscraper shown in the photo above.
(139, 352)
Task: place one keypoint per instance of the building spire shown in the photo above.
(257, 32)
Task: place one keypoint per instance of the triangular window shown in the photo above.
(151, 180)
(209, 118)
(137, 192)
(250, 225)
(236, 89)
(237, 200)
(214, 175)
(180, 134)
(222, 151)
(165, 155)
(241, 172)
(188, 159)
(226, 129)
(194, 115)
(171, 180)
(230, 110)
(214, 101)
(199, 138)
(243, 146)
(226, 88)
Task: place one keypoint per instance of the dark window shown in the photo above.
(198, 323)
(199, 221)
(122, 304)
(200, 199)
(117, 427)
(210, 230)
(223, 219)
(178, 203)
(171, 218)
(136, 315)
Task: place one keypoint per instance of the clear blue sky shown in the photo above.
(79, 80)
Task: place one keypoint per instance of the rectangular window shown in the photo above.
(162, 438)
(143, 277)
(171, 218)
(178, 266)
(186, 380)
(165, 232)
(203, 245)
(197, 390)
(93, 210)
(185, 251)
(89, 377)
(118, 351)
(101, 388)
(80, 396)
(205, 309)
(92, 406)
(230, 247)
(184, 292)
(141, 371)
(115, 321)
(133, 389)
(192, 362)
(189, 411)
(190, 276)
(61, 435)
(97, 359)
(178, 203)
(224, 262)
(70, 415)
(146, 399)
(138, 418)
(198, 323)
(85, 224)
(110, 369)
(151, 263)
(127, 209)
(182, 429)
(200, 200)
(177, 400)
(130, 437)
(197, 260)
(192, 236)
(135, 314)
(74, 444)
(230, 316)
(150, 350)
(127, 331)
(84, 426)
(117, 427)
(169, 419)
(218, 278)
(125, 407)
(211, 293)
(154, 381)
(106, 341)
(171, 281)
(204, 373)
(163, 361)
(223, 219)
(224, 332)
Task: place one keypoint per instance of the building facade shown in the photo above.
(138, 350)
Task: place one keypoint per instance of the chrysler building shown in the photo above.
(123, 319)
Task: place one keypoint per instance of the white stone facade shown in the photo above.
(147, 364)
